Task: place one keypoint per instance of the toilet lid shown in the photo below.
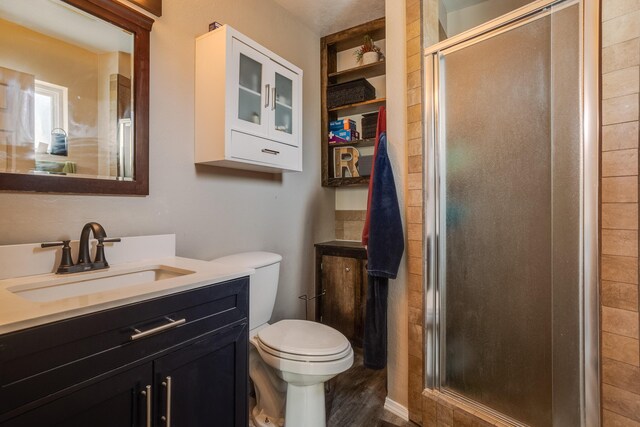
(305, 338)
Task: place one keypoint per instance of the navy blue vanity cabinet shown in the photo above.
(119, 400)
(191, 370)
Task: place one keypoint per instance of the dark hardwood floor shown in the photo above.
(356, 399)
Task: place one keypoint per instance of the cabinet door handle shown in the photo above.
(167, 416)
(267, 151)
(267, 92)
(273, 101)
(172, 324)
(147, 394)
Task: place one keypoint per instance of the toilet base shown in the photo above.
(305, 406)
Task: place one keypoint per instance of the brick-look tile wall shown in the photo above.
(414, 207)
(349, 224)
(620, 325)
(619, 235)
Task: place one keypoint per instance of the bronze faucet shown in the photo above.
(84, 257)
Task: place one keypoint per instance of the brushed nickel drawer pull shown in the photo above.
(167, 417)
(147, 393)
(267, 151)
(172, 324)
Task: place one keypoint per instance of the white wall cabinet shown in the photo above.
(248, 112)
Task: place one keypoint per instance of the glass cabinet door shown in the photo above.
(251, 89)
(284, 126)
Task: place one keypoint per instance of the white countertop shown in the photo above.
(18, 313)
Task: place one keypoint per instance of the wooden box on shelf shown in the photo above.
(331, 46)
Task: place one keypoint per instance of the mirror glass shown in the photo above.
(66, 98)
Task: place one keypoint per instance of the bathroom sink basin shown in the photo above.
(80, 284)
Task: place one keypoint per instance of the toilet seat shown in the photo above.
(303, 340)
(304, 357)
(304, 347)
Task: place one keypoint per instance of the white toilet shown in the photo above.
(290, 360)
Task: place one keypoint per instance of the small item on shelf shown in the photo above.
(352, 162)
(343, 136)
(351, 92)
(369, 124)
(342, 124)
(368, 53)
(345, 160)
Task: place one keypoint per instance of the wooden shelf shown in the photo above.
(358, 105)
(330, 48)
(358, 143)
(345, 182)
(366, 71)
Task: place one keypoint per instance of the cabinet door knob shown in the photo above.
(348, 269)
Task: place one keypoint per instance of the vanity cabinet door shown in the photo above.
(119, 400)
(205, 383)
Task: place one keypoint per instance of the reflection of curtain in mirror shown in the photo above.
(16, 121)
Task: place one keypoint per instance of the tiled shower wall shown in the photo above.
(414, 207)
(619, 259)
(620, 325)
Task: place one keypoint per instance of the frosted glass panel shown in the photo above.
(510, 221)
(249, 96)
(284, 104)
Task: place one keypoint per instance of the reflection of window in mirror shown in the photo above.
(51, 112)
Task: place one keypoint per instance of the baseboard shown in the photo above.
(396, 409)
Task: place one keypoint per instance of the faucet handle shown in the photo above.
(100, 259)
(65, 260)
(53, 244)
(114, 240)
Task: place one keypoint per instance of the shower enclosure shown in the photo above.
(511, 183)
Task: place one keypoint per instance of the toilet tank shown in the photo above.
(263, 286)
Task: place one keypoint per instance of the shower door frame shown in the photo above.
(589, 210)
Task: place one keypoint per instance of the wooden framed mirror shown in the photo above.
(74, 97)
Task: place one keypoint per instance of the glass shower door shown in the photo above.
(508, 190)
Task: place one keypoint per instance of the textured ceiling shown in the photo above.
(329, 16)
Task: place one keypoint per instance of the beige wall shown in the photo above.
(397, 380)
(213, 212)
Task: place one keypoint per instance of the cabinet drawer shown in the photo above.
(266, 151)
(37, 362)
